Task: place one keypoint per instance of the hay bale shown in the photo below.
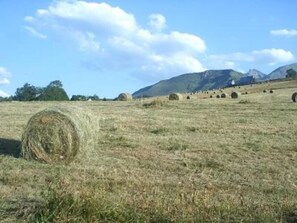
(57, 134)
(124, 97)
(218, 96)
(210, 96)
(224, 95)
(264, 91)
(271, 91)
(235, 94)
(188, 97)
(175, 96)
(294, 97)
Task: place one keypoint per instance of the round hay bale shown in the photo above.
(224, 95)
(210, 96)
(294, 97)
(218, 96)
(175, 96)
(188, 97)
(57, 134)
(271, 91)
(235, 94)
(264, 91)
(124, 97)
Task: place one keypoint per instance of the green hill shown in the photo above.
(281, 72)
(210, 79)
(207, 80)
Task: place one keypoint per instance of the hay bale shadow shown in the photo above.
(10, 147)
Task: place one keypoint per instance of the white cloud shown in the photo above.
(3, 94)
(118, 41)
(264, 57)
(157, 22)
(87, 41)
(4, 76)
(35, 32)
(284, 32)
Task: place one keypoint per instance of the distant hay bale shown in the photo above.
(271, 91)
(264, 91)
(210, 96)
(188, 97)
(218, 96)
(57, 134)
(235, 94)
(294, 97)
(224, 95)
(124, 97)
(175, 96)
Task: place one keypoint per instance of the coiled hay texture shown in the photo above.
(125, 97)
(235, 94)
(58, 134)
(294, 97)
(175, 96)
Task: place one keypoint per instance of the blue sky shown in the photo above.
(110, 47)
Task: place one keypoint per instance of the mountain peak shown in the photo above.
(256, 74)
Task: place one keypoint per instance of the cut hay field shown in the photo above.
(198, 160)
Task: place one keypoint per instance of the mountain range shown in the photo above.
(207, 80)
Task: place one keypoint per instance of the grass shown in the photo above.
(199, 160)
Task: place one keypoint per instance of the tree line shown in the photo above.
(52, 92)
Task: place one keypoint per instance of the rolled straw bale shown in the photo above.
(224, 95)
(188, 97)
(235, 94)
(218, 96)
(175, 96)
(271, 91)
(294, 97)
(125, 97)
(57, 134)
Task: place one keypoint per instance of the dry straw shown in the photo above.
(59, 134)
(294, 97)
(175, 96)
(235, 94)
(125, 97)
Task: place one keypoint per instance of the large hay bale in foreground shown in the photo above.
(125, 97)
(175, 96)
(57, 134)
(235, 94)
(294, 97)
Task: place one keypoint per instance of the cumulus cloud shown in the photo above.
(4, 80)
(264, 56)
(157, 22)
(119, 41)
(3, 94)
(284, 32)
(35, 33)
(4, 76)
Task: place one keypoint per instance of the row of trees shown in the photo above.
(52, 92)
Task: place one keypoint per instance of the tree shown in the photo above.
(56, 83)
(78, 98)
(54, 92)
(291, 73)
(27, 93)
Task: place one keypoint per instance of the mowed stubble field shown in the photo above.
(198, 160)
